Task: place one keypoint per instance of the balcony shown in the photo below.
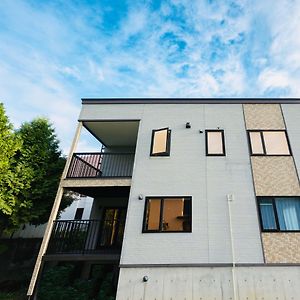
(88, 237)
(101, 165)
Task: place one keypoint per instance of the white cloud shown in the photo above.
(184, 49)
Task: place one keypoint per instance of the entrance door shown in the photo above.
(112, 227)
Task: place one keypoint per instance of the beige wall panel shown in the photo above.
(281, 247)
(263, 116)
(275, 176)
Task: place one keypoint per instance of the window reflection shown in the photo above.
(276, 142)
(269, 142)
(215, 142)
(256, 143)
(168, 214)
(160, 142)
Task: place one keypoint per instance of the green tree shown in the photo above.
(31, 165)
(40, 152)
(15, 176)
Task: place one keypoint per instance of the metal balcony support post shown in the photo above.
(52, 217)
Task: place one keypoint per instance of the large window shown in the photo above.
(269, 142)
(279, 213)
(168, 214)
(160, 145)
(215, 144)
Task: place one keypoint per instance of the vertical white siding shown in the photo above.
(291, 113)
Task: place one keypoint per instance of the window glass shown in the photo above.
(173, 215)
(288, 211)
(276, 143)
(215, 143)
(78, 214)
(256, 143)
(160, 142)
(168, 214)
(267, 214)
(112, 227)
(153, 214)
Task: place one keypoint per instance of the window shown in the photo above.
(168, 214)
(78, 214)
(112, 227)
(215, 145)
(160, 145)
(279, 213)
(269, 142)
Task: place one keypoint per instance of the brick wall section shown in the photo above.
(263, 116)
(281, 247)
(275, 176)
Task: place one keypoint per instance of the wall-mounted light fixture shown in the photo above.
(200, 131)
(140, 197)
(145, 278)
(188, 125)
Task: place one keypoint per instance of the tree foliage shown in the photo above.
(40, 151)
(14, 174)
(31, 164)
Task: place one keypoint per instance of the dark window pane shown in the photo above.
(78, 214)
(153, 214)
(121, 227)
(267, 214)
(288, 211)
(110, 234)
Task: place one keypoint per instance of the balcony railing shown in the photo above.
(82, 237)
(95, 165)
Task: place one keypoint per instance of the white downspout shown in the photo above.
(230, 198)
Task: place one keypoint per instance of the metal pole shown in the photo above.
(53, 215)
(230, 199)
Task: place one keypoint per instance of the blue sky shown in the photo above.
(53, 53)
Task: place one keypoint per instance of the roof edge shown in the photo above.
(190, 100)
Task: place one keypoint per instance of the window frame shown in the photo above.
(162, 198)
(223, 142)
(168, 142)
(272, 198)
(261, 131)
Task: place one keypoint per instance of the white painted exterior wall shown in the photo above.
(291, 113)
(188, 172)
(83, 202)
(200, 264)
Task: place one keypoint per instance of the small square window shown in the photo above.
(160, 144)
(269, 142)
(168, 214)
(215, 144)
